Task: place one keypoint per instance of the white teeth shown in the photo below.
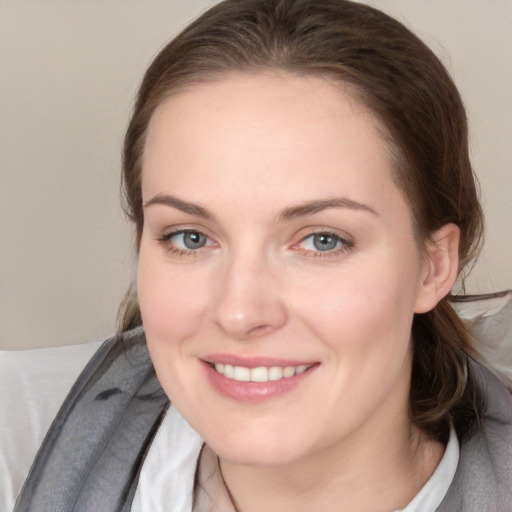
(229, 371)
(275, 373)
(242, 374)
(289, 371)
(260, 374)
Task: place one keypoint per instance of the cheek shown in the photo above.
(364, 313)
(172, 305)
(172, 302)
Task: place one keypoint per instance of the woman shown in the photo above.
(298, 176)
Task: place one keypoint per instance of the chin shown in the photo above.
(250, 450)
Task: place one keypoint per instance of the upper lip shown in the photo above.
(254, 361)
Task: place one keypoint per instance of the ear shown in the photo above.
(441, 267)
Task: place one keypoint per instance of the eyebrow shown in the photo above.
(289, 213)
(318, 205)
(179, 204)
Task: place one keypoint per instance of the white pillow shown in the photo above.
(489, 320)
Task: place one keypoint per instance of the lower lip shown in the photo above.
(254, 392)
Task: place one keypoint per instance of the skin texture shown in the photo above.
(246, 154)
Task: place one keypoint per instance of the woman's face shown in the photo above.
(278, 272)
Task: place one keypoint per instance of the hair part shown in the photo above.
(399, 79)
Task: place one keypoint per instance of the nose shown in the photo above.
(248, 301)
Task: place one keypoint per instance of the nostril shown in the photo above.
(259, 330)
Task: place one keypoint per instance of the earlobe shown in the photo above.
(441, 268)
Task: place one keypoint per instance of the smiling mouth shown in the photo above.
(260, 374)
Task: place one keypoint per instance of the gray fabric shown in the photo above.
(91, 457)
(483, 481)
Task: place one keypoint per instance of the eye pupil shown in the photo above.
(194, 240)
(324, 242)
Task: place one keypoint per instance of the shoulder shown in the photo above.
(93, 450)
(483, 480)
(34, 384)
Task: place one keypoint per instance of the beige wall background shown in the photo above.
(68, 74)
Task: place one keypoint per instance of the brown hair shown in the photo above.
(404, 84)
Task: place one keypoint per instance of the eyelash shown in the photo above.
(166, 241)
(342, 244)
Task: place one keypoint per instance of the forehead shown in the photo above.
(272, 98)
(252, 132)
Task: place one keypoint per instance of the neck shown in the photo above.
(383, 473)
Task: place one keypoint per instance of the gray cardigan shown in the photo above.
(483, 480)
(91, 457)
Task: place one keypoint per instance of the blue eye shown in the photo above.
(324, 243)
(185, 240)
(190, 240)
